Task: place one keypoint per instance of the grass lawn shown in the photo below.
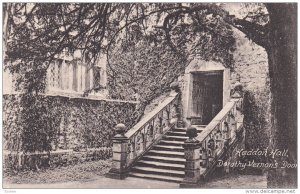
(80, 172)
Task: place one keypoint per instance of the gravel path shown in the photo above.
(238, 182)
(233, 182)
(101, 183)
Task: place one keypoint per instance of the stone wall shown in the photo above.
(251, 63)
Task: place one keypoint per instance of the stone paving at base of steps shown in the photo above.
(240, 182)
(101, 183)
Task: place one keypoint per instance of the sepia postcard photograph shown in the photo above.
(140, 95)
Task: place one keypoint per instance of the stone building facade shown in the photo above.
(70, 74)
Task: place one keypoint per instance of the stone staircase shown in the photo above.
(164, 161)
(153, 148)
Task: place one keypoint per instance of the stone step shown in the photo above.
(165, 161)
(178, 129)
(170, 142)
(176, 138)
(151, 170)
(181, 132)
(172, 160)
(160, 165)
(156, 177)
(176, 133)
(166, 153)
(178, 148)
(198, 127)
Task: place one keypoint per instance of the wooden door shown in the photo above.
(216, 94)
(198, 99)
(208, 101)
(207, 97)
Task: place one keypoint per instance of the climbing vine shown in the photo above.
(51, 123)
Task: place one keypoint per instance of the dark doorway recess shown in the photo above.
(207, 96)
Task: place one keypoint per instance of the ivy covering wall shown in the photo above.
(61, 123)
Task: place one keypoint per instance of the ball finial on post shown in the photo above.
(175, 86)
(192, 156)
(120, 129)
(191, 132)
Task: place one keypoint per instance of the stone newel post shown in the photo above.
(120, 145)
(192, 155)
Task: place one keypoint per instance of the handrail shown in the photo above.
(151, 128)
(150, 115)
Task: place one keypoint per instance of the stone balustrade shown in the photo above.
(218, 133)
(130, 146)
(211, 142)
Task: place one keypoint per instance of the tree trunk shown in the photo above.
(282, 55)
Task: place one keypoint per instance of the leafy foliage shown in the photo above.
(257, 118)
(257, 126)
(147, 47)
(49, 123)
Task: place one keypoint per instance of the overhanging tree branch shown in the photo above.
(257, 33)
(253, 31)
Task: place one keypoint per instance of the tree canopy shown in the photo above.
(37, 32)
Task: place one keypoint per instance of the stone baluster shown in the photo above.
(212, 150)
(144, 139)
(192, 155)
(204, 157)
(120, 148)
(219, 139)
(238, 95)
(227, 133)
(160, 124)
(233, 123)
